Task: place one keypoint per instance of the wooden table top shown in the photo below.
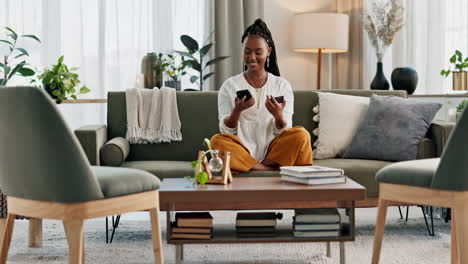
(256, 190)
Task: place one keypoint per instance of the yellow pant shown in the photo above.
(290, 148)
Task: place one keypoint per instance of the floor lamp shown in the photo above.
(320, 33)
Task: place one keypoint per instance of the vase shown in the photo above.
(173, 84)
(404, 79)
(152, 77)
(460, 81)
(379, 82)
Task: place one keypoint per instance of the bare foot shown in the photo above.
(262, 167)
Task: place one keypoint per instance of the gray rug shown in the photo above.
(403, 243)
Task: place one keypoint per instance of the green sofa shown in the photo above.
(199, 116)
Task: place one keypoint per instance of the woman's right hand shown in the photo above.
(242, 104)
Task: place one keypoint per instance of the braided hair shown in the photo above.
(259, 28)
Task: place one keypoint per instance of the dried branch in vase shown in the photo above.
(382, 20)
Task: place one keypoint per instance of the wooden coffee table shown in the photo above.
(258, 193)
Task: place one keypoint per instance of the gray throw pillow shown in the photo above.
(391, 129)
(114, 152)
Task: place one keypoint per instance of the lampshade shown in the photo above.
(326, 31)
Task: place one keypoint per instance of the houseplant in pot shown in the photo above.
(382, 20)
(174, 67)
(459, 68)
(61, 82)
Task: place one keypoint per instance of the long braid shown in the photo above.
(259, 28)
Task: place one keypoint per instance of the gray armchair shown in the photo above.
(45, 174)
(439, 182)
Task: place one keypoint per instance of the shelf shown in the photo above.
(85, 101)
(227, 234)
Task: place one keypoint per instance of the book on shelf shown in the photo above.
(310, 171)
(313, 181)
(194, 219)
(254, 219)
(314, 227)
(333, 233)
(255, 229)
(190, 236)
(191, 230)
(317, 215)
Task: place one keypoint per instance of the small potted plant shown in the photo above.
(173, 65)
(458, 67)
(216, 164)
(61, 82)
(461, 106)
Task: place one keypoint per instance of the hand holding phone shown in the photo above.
(240, 94)
(279, 99)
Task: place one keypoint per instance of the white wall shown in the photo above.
(300, 69)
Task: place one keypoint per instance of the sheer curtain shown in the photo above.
(433, 30)
(106, 39)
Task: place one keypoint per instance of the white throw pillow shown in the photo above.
(340, 116)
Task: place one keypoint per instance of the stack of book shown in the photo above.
(317, 222)
(312, 175)
(256, 224)
(195, 225)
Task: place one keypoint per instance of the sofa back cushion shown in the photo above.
(198, 112)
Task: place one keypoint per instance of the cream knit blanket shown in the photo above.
(152, 116)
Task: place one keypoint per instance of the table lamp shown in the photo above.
(320, 33)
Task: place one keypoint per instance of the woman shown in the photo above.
(257, 131)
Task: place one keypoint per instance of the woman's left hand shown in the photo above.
(275, 108)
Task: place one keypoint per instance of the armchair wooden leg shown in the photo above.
(7, 233)
(453, 243)
(3, 222)
(156, 235)
(35, 233)
(74, 232)
(461, 217)
(379, 230)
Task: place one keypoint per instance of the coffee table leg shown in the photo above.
(178, 253)
(342, 253)
(328, 249)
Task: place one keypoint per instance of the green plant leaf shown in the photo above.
(33, 37)
(73, 96)
(22, 51)
(20, 55)
(60, 60)
(215, 60)
(189, 43)
(466, 59)
(16, 69)
(202, 177)
(6, 69)
(13, 33)
(459, 55)
(84, 90)
(2, 81)
(453, 59)
(6, 41)
(208, 75)
(74, 68)
(194, 78)
(203, 51)
(194, 64)
(25, 72)
(195, 163)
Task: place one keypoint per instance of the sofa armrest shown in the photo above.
(439, 132)
(92, 138)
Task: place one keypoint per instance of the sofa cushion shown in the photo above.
(122, 181)
(163, 169)
(392, 129)
(114, 152)
(414, 173)
(361, 171)
(337, 127)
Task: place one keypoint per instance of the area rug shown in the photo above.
(404, 242)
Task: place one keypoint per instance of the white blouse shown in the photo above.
(256, 127)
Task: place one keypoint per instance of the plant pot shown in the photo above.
(174, 84)
(404, 79)
(460, 81)
(379, 82)
(152, 78)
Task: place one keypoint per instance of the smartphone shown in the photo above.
(242, 93)
(279, 99)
